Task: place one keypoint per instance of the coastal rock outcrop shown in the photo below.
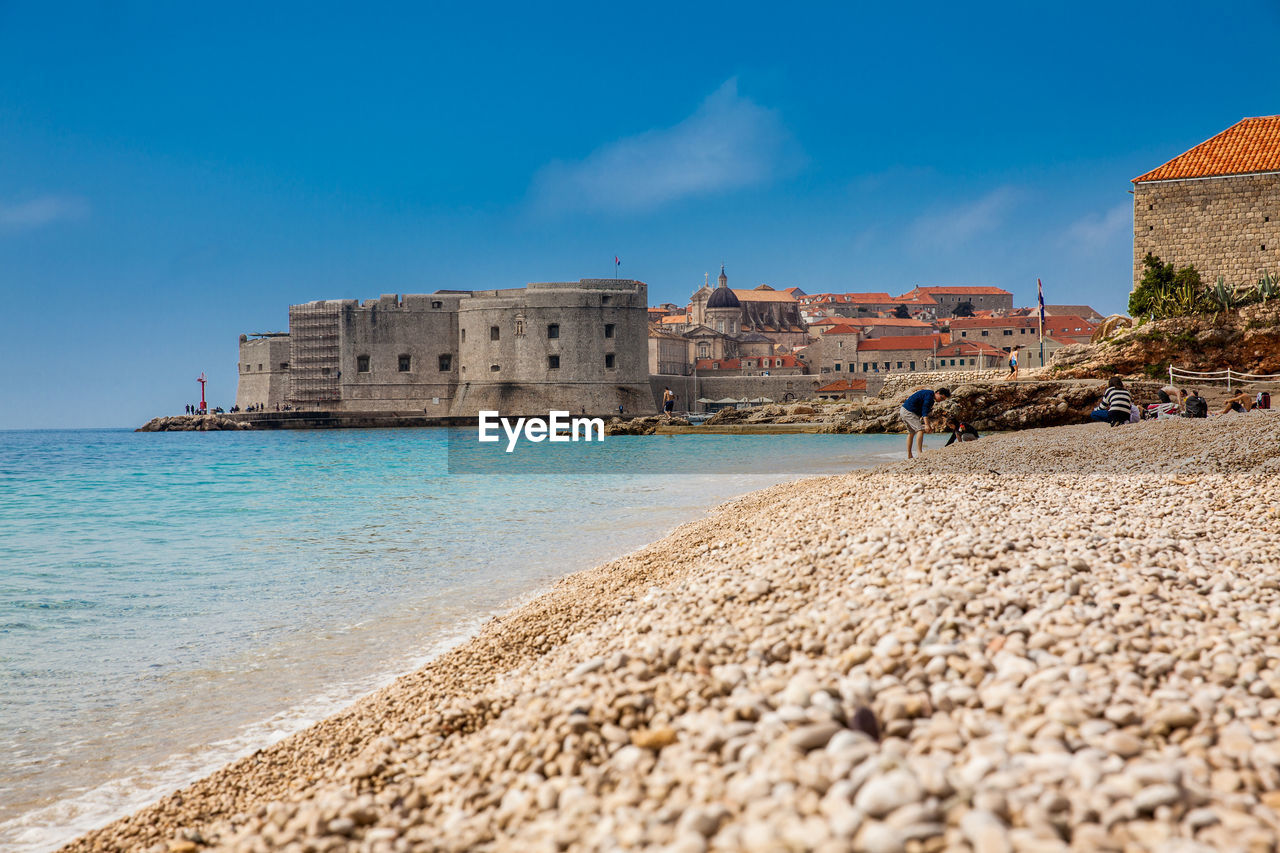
(192, 423)
(986, 405)
(641, 426)
(1247, 340)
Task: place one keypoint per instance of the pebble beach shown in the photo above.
(1056, 639)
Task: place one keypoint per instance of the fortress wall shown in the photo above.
(421, 328)
(507, 343)
(264, 372)
(777, 388)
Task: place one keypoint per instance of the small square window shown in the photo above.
(604, 300)
(493, 368)
(446, 363)
(284, 365)
(553, 362)
(403, 363)
(608, 361)
(362, 364)
(494, 333)
(437, 304)
(608, 327)
(553, 330)
(324, 371)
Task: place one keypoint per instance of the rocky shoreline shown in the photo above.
(192, 423)
(988, 406)
(1049, 640)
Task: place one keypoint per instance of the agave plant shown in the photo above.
(1223, 296)
(1267, 288)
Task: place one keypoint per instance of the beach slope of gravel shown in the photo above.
(1055, 639)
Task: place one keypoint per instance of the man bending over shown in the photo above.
(915, 414)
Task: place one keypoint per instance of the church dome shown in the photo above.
(722, 297)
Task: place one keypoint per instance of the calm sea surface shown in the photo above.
(170, 601)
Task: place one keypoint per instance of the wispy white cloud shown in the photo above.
(1099, 230)
(41, 211)
(729, 142)
(954, 227)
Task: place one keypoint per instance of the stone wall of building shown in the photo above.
(1227, 226)
(689, 389)
(577, 346)
(264, 371)
(399, 354)
(898, 361)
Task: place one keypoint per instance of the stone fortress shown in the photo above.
(1215, 207)
(576, 346)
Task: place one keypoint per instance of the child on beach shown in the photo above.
(915, 412)
(960, 431)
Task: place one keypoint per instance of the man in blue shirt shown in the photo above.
(915, 414)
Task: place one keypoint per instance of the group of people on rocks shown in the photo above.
(1117, 406)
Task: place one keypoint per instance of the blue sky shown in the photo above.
(172, 175)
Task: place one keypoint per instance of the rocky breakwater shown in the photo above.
(1247, 340)
(1034, 642)
(641, 426)
(192, 423)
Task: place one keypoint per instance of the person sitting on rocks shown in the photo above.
(1195, 406)
(1164, 407)
(1118, 402)
(915, 412)
(960, 431)
(1242, 402)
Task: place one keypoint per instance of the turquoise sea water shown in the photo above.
(169, 601)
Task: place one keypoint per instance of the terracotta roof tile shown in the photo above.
(966, 290)
(969, 348)
(1249, 145)
(844, 385)
(902, 342)
(759, 295)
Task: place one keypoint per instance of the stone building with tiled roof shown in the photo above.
(1215, 207)
(948, 298)
(762, 310)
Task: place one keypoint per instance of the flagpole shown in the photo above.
(1040, 296)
